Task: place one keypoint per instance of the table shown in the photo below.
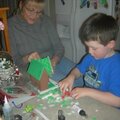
(94, 109)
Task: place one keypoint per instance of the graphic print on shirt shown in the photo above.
(91, 77)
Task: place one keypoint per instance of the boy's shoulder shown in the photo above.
(88, 56)
(114, 60)
(116, 57)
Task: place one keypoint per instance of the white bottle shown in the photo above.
(7, 110)
(79, 110)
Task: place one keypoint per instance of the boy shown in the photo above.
(99, 68)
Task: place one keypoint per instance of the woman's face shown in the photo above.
(32, 11)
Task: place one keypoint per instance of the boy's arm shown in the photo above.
(75, 73)
(105, 97)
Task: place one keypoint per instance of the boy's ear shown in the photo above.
(111, 44)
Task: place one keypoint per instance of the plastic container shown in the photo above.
(7, 110)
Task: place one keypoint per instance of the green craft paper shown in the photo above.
(47, 65)
(37, 67)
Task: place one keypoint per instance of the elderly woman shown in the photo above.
(33, 36)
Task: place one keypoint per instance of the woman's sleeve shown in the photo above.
(13, 47)
(56, 42)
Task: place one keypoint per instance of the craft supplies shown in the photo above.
(7, 110)
(61, 115)
(79, 110)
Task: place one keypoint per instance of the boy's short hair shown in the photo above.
(99, 27)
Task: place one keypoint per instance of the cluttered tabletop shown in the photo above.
(28, 103)
(52, 105)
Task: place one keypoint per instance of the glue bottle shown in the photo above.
(7, 110)
(79, 110)
(61, 115)
(1, 112)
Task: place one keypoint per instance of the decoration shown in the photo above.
(38, 66)
(8, 71)
(1, 26)
(94, 3)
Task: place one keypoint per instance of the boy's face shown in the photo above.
(98, 50)
(32, 11)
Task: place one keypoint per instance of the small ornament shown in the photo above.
(1, 26)
(8, 71)
(17, 71)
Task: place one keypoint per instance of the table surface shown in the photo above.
(94, 109)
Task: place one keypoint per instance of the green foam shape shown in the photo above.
(50, 85)
(37, 67)
(47, 65)
(51, 100)
(94, 118)
(40, 106)
(65, 103)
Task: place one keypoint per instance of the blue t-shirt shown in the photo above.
(102, 74)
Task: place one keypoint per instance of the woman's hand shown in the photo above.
(29, 57)
(34, 55)
(54, 61)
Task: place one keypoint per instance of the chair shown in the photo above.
(3, 17)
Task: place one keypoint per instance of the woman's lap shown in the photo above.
(62, 70)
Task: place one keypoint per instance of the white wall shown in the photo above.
(63, 21)
(61, 16)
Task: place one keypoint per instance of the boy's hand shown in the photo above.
(66, 84)
(79, 92)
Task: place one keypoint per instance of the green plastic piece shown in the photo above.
(28, 108)
(55, 98)
(9, 90)
(94, 118)
(65, 103)
(103, 2)
(40, 106)
(56, 91)
(51, 100)
(37, 67)
(50, 85)
(40, 96)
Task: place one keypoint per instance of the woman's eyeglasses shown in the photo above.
(33, 12)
